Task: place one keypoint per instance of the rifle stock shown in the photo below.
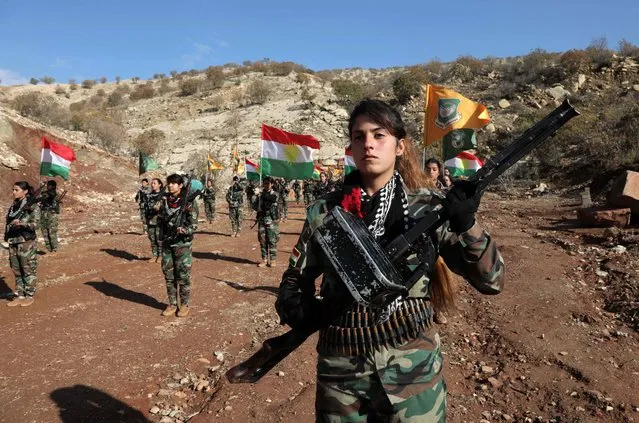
(274, 350)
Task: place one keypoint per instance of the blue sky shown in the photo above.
(72, 39)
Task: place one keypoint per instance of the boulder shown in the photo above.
(599, 216)
(558, 92)
(504, 104)
(625, 191)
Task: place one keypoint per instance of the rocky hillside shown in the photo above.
(177, 119)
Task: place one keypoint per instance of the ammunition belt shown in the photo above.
(358, 331)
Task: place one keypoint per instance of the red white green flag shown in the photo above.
(465, 164)
(349, 162)
(286, 154)
(55, 159)
(252, 170)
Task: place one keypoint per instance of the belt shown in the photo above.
(358, 331)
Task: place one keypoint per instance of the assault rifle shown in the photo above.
(348, 243)
(175, 221)
(26, 208)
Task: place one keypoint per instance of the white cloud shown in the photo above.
(199, 53)
(223, 44)
(60, 63)
(8, 77)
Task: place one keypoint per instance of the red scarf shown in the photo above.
(352, 201)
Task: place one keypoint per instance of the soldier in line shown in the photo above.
(397, 374)
(324, 186)
(20, 233)
(209, 200)
(49, 210)
(309, 190)
(151, 213)
(268, 231)
(140, 198)
(282, 191)
(297, 189)
(251, 189)
(235, 199)
(177, 224)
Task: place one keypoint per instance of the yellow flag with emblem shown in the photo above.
(213, 165)
(447, 110)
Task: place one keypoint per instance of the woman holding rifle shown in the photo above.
(398, 376)
(20, 232)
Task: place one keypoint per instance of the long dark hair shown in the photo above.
(159, 182)
(388, 118)
(24, 186)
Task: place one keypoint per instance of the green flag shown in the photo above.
(146, 163)
(458, 140)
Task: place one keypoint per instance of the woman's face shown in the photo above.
(432, 170)
(374, 148)
(19, 193)
(155, 185)
(174, 188)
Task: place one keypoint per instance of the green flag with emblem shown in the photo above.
(458, 140)
(146, 163)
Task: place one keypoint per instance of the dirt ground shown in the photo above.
(559, 344)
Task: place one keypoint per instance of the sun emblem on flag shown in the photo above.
(291, 152)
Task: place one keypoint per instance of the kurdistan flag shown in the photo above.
(447, 110)
(465, 164)
(458, 140)
(349, 163)
(286, 154)
(55, 159)
(252, 170)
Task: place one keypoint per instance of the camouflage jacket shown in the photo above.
(208, 194)
(168, 207)
(28, 216)
(265, 204)
(476, 259)
(282, 192)
(235, 195)
(323, 189)
(140, 197)
(152, 204)
(49, 202)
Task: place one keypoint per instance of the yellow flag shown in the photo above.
(213, 165)
(447, 110)
(236, 160)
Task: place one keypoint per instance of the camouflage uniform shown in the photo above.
(282, 199)
(321, 189)
(140, 198)
(297, 188)
(154, 232)
(209, 203)
(251, 187)
(235, 198)
(399, 381)
(23, 249)
(309, 191)
(176, 251)
(268, 230)
(49, 211)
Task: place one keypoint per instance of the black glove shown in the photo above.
(460, 205)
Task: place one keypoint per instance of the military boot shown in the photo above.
(262, 263)
(16, 301)
(183, 311)
(169, 310)
(26, 302)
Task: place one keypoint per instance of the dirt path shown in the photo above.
(94, 346)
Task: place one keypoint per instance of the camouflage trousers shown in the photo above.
(268, 237)
(308, 199)
(298, 194)
(49, 227)
(176, 266)
(282, 207)
(403, 384)
(23, 259)
(209, 208)
(143, 218)
(237, 215)
(196, 209)
(155, 236)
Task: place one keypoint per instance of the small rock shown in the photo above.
(268, 400)
(219, 356)
(609, 408)
(601, 273)
(619, 249)
(496, 383)
(486, 369)
(280, 373)
(578, 408)
(154, 410)
(177, 376)
(506, 417)
(573, 394)
(228, 408)
(166, 419)
(563, 353)
(164, 393)
(174, 413)
(504, 104)
(203, 360)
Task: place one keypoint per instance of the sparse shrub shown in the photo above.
(599, 53)
(149, 141)
(238, 96)
(47, 80)
(88, 83)
(72, 82)
(135, 79)
(409, 84)
(628, 49)
(34, 81)
(574, 61)
(435, 67)
(475, 65)
(106, 134)
(258, 92)
(159, 76)
(141, 92)
(302, 78)
(174, 73)
(95, 101)
(281, 68)
(73, 87)
(307, 97)
(59, 90)
(43, 108)
(215, 76)
(115, 98)
(117, 79)
(348, 93)
(101, 93)
(189, 86)
(103, 80)
(164, 87)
